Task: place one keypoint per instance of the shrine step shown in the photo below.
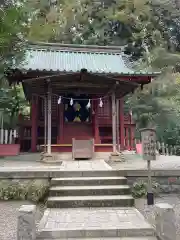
(90, 173)
(91, 201)
(87, 223)
(106, 238)
(89, 190)
(87, 181)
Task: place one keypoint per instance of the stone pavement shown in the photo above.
(115, 226)
(31, 161)
(85, 165)
(93, 222)
(91, 213)
(132, 162)
(9, 214)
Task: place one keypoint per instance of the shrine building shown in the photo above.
(76, 92)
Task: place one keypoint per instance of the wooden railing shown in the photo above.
(164, 149)
(8, 136)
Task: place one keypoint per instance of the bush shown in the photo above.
(139, 189)
(32, 190)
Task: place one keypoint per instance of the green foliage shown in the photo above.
(157, 105)
(139, 189)
(148, 32)
(37, 190)
(12, 102)
(32, 190)
(14, 27)
(13, 31)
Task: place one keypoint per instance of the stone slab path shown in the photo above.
(91, 214)
(92, 217)
(90, 222)
(86, 165)
(134, 162)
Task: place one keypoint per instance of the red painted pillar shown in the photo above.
(61, 124)
(34, 123)
(95, 122)
(121, 122)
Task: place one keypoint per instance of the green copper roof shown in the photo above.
(73, 59)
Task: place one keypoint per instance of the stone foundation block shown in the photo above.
(26, 227)
(165, 221)
(117, 157)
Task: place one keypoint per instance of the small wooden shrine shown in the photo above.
(76, 92)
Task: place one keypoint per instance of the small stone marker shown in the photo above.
(165, 221)
(26, 227)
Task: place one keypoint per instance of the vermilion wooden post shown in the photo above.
(121, 121)
(34, 120)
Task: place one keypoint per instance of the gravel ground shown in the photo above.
(8, 218)
(9, 213)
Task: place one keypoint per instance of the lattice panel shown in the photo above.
(54, 107)
(105, 110)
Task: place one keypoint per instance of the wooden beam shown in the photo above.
(79, 85)
(41, 89)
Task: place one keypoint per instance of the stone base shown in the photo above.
(26, 226)
(165, 222)
(50, 158)
(117, 157)
(47, 158)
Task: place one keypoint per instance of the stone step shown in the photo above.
(89, 190)
(86, 181)
(103, 234)
(91, 201)
(112, 238)
(91, 173)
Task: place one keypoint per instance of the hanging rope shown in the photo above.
(83, 99)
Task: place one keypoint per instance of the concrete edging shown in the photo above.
(52, 173)
(49, 173)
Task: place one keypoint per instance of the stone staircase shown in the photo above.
(92, 205)
(90, 191)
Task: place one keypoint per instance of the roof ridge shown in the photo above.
(74, 51)
(74, 47)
